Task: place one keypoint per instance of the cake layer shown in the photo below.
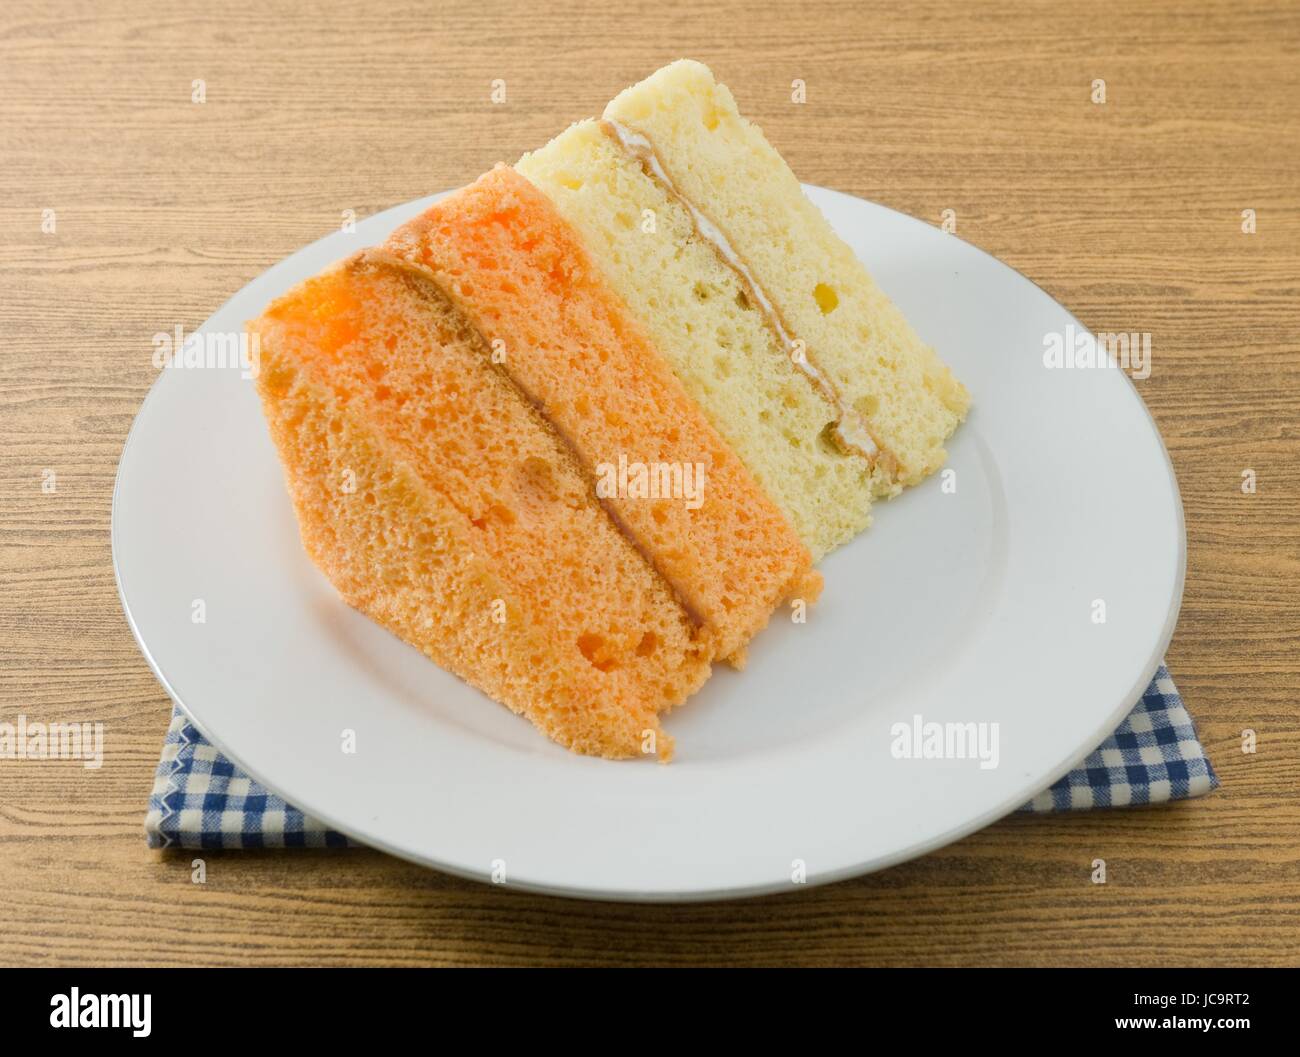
(897, 401)
(701, 316)
(441, 503)
(521, 273)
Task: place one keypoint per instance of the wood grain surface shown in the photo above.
(1129, 212)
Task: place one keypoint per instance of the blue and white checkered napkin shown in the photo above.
(200, 800)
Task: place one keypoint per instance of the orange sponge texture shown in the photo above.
(520, 272)
(441, 503)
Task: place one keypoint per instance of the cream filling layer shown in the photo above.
(850, 432)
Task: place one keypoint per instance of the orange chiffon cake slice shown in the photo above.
(441, 502)
(520, 272)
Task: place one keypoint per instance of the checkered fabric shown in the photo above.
(1154, 756)
(201, 801)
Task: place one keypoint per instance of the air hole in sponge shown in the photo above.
(534, 488)
(827, 299)
(596, 650)
(866, 406)
(648, 644)
(496, 512)
(537, 476)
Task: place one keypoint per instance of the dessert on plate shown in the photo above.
(581, 428)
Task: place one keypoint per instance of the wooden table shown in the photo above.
(1130, 212)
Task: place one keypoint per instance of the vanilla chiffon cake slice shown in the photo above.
(441, 503)
(702, 315)
(523, 276)
(896, 402)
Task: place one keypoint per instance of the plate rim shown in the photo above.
(870, 865)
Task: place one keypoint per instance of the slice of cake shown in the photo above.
(581, 427)
(522, 274)
(441, 501)
(767, 317)
(702, 313)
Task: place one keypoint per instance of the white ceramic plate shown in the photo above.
(968, 606)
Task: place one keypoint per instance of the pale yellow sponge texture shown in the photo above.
(724, 165)
(717, 343)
